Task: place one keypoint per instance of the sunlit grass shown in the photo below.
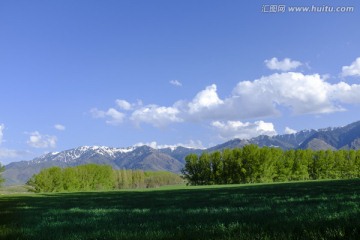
(302, 210)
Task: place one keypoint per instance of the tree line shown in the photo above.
(92, 177)
(252, 164)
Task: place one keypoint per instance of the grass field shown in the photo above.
(302, 210)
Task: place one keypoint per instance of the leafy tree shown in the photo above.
(300, 165)
(48, 180)
(216, 167)
(357, 164)
(70, 179)
(205, 169)
(266, 169)
(191, 171)
(251, 162)
(138, 179)
(232, 166)
(2, 169)
(97, 177)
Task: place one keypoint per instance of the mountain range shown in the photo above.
(173, 158)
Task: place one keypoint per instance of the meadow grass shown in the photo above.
(301, 210)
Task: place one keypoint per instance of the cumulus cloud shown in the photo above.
(285, 65)
(123, 104)
(2, 127)
(352, 70)
(59, 127)
(157, 116)
(38, 140)
(289, 130)
(247, 130)
(302, 93)
(113, 116)
(176, 83)
(206, 99)
(346, 93)
(264, 97)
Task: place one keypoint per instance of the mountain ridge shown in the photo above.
(173, 158)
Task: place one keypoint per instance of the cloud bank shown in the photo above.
(264, 97)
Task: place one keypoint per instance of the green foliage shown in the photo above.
(253, 164)
(92, 177)
(288, 211)
(2, 180)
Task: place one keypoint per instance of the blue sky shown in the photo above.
(196, 73)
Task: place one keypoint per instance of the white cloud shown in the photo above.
(284, 65)
(176, 83)
(113, 116)
(96, 113)
(289, 130)
(247, 130)
(9, 153)
(37, 140)
(157, 116)
(59, 127)
(346, 93)
(2, 127)
(116, 117)
(123, 104)
(190, 144)
(352, 70)
(263, 97)
(302, 93)
(205, 100)
(149, 144)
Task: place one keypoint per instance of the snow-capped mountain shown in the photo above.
(347, 137)
(140, 157)
(172, 158)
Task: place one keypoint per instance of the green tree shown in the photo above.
(2, 169)
(251, 162)
(232, 172)
(205, 169)
(283, 166)
(216, 167)
(357, 164)
(300, 165)
(70, 179)
(266, 169)
(48, 180)
(191, 171)
(138, 179)
(340, 164)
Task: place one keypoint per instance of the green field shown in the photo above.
(301, 210)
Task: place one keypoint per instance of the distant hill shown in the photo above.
(172, 159)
